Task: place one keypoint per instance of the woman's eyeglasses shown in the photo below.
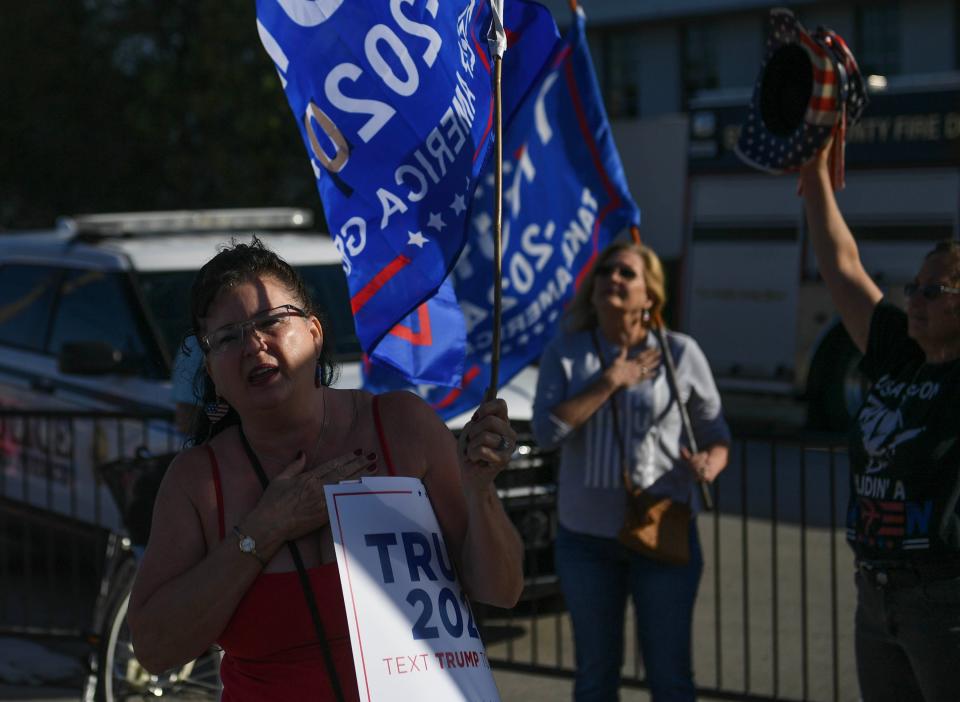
(607, 270)
(270, 323)
(931, 291)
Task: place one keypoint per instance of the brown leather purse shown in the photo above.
(654, 526)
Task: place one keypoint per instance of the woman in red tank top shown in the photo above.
(239, 509)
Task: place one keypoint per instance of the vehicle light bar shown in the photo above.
(172, 221)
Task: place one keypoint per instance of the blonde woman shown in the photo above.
(604, 399)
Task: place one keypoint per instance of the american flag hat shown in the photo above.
(809, 87)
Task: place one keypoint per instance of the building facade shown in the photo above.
(677, 78)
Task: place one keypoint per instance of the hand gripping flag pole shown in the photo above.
(497, 40)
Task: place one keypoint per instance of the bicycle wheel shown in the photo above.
(121, 678)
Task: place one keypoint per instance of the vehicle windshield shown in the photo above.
(167, 295)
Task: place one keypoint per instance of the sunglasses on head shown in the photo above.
(625, 272)
(931, 291)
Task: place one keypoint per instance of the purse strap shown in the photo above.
(675, 389)
(705, 497)
(304, 580)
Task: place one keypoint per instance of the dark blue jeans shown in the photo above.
(908, 641)
(596, 576)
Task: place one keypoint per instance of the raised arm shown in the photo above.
(854, 293)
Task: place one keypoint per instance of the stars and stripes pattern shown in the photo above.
(824, 104)
(854, 96)
(837, 99)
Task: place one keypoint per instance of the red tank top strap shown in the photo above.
(381, 436)
(215, 471)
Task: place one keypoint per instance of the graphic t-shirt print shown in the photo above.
(889, 516)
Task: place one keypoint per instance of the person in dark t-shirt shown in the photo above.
(903, 518)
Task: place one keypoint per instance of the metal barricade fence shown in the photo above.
(774, 613)
(61, 514)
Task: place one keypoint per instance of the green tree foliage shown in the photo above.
(118, 105)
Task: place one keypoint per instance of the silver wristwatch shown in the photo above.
(247, 545)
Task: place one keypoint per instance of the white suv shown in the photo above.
(93, 311)
(91, 315)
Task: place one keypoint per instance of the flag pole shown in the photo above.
(497, 39)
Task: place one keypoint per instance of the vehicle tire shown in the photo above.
(836, 388)
(120, 675)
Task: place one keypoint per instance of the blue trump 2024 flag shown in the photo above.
(393, 101)
(565, 198)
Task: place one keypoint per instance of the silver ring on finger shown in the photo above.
(505, 444)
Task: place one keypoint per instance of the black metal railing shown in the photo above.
(527, 490)
(58, 511)
(774, 615)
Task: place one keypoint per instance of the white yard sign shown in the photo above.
(411, 628)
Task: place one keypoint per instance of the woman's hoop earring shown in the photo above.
(645, 316)
(216, 410)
